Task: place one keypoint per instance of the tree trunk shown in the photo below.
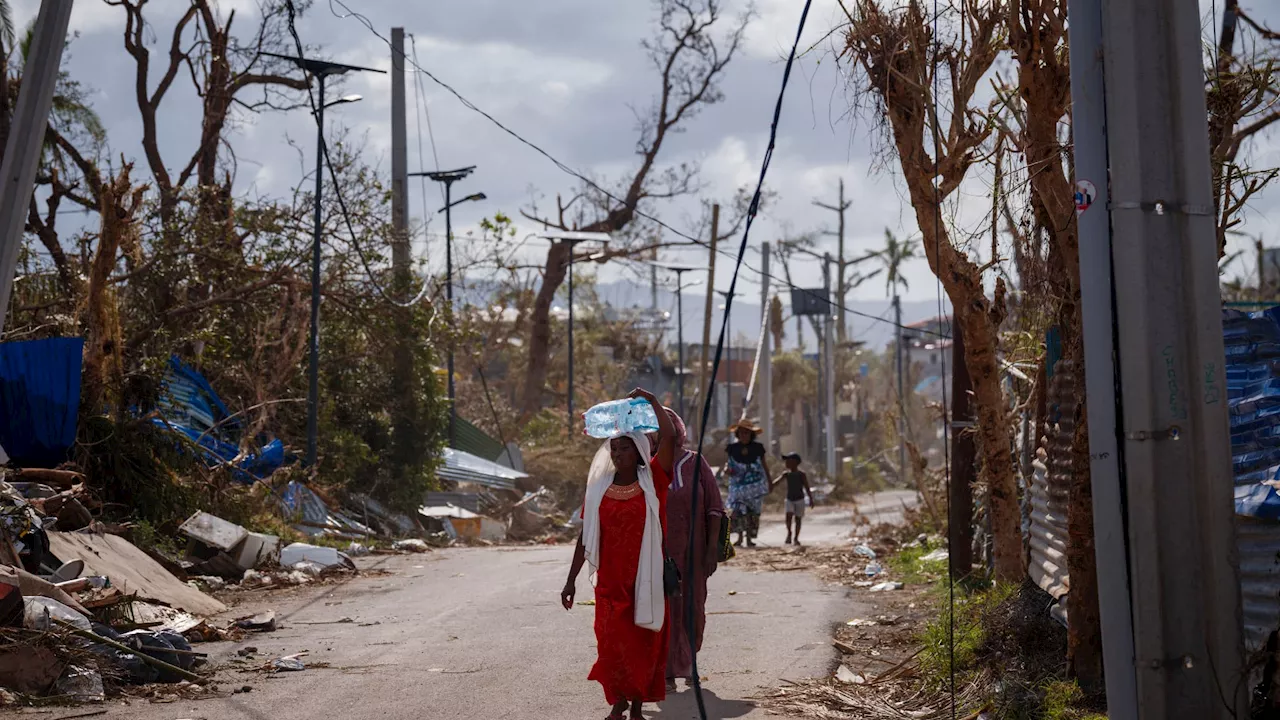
(535, 379)
(979, 319)
(1084, 632)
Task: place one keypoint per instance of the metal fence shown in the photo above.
(1050, 480)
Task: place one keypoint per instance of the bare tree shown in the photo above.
(901, 58)
(690, 55)
(1243, 78)
(222, 70)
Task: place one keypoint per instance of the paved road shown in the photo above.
(478, 633)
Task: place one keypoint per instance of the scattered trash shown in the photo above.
(213, 531)
(865, 552)
(211, 583)
(39, 613)
(355, 549)
(588, 603)
(247, 651)
(325, 557)
(885, 586)
(936, 556)
(873, 568)
(845, 675)
(256, 549)
(262, 622)
(465, 524)
(412, 545)
(861, 622)
(733, 592)
(81, 684)
(288, 663)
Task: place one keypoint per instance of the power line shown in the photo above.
(419, 105)
(568, 170)
(337, 186)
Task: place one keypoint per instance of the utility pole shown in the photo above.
(320, 70)
(405, 408)
(964, 457)
(766, 354)
(448, 178)
(703, 384)
(904, 475)
(1187, 625)
(829, 372)
(728, 367)
(26, 136)
(842, 287)
(1088, 132)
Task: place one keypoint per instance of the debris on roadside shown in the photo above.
(262, 622)
(464, 524)
(412, 545)
(886, 586)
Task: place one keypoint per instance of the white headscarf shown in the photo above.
(650, 602)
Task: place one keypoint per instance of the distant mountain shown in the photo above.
(863, 316)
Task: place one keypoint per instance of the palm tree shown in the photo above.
(895, 253)
(892, 256)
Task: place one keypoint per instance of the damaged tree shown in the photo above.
(691, 61)
(1039, 105)
(896, 49)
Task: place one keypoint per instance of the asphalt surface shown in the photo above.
(479, 633)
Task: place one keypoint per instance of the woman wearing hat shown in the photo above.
(748, 481)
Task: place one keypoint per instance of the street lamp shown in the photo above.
(320, 69)
(680, 270)
(573, 238)
(449, 177)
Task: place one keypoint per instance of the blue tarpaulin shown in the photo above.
(1252, 342)
(39, 399)
(188, 404)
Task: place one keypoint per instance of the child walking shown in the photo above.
(797, 489)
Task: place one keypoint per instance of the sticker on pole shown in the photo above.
(1085, 194)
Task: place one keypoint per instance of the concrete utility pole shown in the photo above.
(703, 385)
(766, 355)
(829, 372)
(1088, 131)
(405, 408)
(1187, 626)
(842, 286)
(26, 136)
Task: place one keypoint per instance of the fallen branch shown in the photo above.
(92, 637)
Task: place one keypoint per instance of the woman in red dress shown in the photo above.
(623, 523)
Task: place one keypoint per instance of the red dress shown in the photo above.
(632, 662)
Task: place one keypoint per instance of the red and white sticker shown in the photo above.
(1085, 194)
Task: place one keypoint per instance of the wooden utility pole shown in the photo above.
(842, 282)
(703, 385)
(964, 456)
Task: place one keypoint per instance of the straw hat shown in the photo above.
(748, 425)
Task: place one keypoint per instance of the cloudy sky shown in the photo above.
(565, 74)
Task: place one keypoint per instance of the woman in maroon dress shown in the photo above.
(623, 526)
(705, 536)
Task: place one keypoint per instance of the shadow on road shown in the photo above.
(684, 705)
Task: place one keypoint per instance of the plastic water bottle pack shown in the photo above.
(619, 417)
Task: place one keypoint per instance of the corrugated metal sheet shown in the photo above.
(1258, 542)
(473, 440)
(1051, 479)
(1252, 344)
(469, 501)
(463, 467)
